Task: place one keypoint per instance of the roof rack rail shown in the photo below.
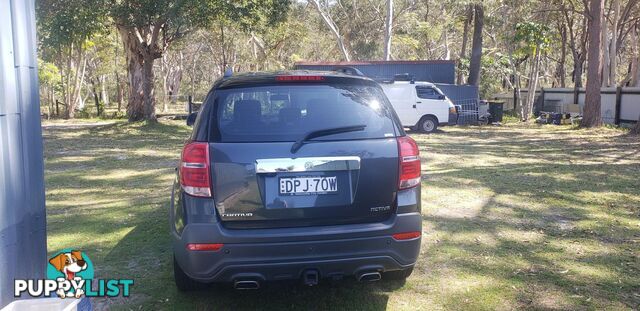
(404, 77)
(348, 71)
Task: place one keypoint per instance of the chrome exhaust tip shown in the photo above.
(370, 277)
(242, 285)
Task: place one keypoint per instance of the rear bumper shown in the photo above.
(284, 254)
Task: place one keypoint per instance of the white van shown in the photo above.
(420, 105)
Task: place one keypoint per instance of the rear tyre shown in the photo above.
(399, 275)
(183, 281)
(428, 124)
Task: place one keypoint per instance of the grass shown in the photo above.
(518, 216)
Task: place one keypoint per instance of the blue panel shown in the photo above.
(436, 72)
(459, 92)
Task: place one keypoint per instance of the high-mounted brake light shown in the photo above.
(406, 236)
(409, 155)
(194, 170)
(212, 247)
(299, 78)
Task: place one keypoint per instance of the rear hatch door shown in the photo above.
(261, 180)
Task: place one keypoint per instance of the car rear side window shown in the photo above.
(287, 112)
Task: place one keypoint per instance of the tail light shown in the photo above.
(409, 162)
(453, 110)
(407, 235)
(212, 247)
(299, 78)
(194, 170)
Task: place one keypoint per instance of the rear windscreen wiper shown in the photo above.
(325, 132)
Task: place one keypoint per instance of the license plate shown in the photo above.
(308, 185)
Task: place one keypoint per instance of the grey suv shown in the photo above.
(295, 175)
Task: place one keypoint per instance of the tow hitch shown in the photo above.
(310, 277)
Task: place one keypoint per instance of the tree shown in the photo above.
(388, 30)
(333, 27)
(64, 26)
(50, 83)
(634, 67)
(468, 19)
(613, 47)
(476, 48)
(534, 40)
(591, 114)
(577, 39)
(149, 27)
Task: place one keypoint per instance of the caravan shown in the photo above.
(420, 106)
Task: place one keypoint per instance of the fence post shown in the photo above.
(190, 104)
(541, 106)
(618, 104)
(515, 97)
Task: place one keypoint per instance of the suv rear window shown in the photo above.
(287, 112)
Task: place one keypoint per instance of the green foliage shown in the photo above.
(495, 67)
(48, 73)
(532, 36)
(180, 16)
(62, 23)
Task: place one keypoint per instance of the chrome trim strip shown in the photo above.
(315, 164)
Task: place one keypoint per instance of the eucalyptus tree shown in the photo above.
(323, 10)
(388, 30)
(149, 27)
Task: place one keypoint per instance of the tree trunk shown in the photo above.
(447, 51)
(119, 91)
(613, 49)
(388, 31)
(103, 92)
(148, 88)
(96, 98)
(527, 108)
(635, 58)
(68, 99)
(119, 88)
(580, 56)
(164, 70)
(577, 74)
(476, 49)
(561, 71)
(606, 70)
(135, 105)
(516, 81)
(591, 114)
(141, 103)
(465, 39)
